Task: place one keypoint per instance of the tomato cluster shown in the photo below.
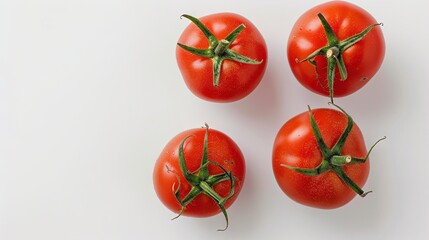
(319, 157)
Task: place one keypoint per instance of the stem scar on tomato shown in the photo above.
(218, 50)
(333, 52)
(201, 180)
(332, 158)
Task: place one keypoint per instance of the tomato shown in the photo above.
(333, 35)
(222, 57)
(320, 159)
(199, 173)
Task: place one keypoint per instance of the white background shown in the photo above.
(90, 93)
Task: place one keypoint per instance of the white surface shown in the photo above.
(90, 93)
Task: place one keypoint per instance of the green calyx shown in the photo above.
(332, 158)
(333, 52)
(201, 180)
(218, 50)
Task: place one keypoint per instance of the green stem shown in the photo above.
(209, 35)
(192, 179)
(201, 180)
(209, 191)
(217, 65)
(331, 77)
(347, 180)
(318, 135)
(363, 160)
(340, 160)
(203, 173)
(343, 138)
(323, 167)
(221, 47)
(330, 35)
(195, 191)
(333, 52)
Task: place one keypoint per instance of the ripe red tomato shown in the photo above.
(355, 45)
(321, 162)
(222, 57)
(199, 173)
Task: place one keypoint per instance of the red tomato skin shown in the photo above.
(362, 60)
(221, 149)
(295, 145)
(237, 80)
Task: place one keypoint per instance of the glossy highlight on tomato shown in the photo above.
(355, 53)
(222, 57)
